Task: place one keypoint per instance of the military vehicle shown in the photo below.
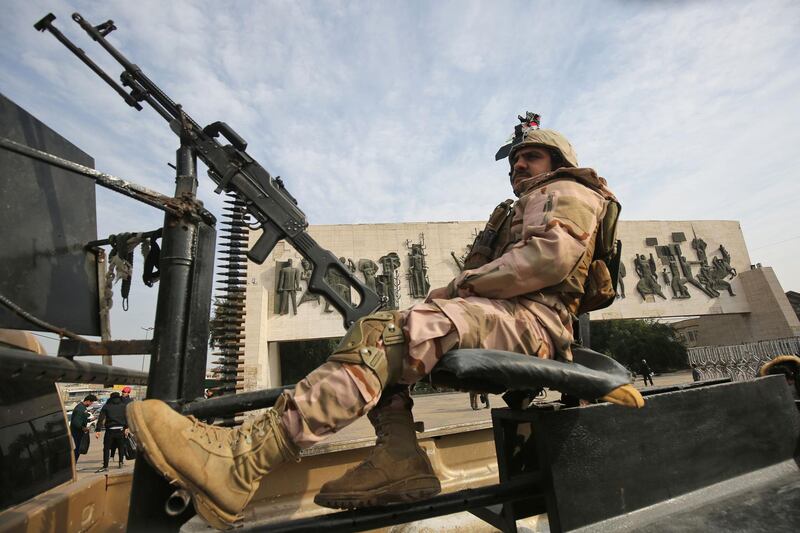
(706, 456)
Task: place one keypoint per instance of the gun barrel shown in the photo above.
(46, 24)
(142, 87)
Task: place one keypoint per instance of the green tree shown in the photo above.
(630, 341)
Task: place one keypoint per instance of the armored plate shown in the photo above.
(47, 215)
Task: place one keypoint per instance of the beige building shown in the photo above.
(671, 269)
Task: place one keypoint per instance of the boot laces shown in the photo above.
(231, 437)
(256, 427)
(213, 434)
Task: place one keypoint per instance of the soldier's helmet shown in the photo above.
(527, 133)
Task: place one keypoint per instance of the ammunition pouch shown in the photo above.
(359, 346)
(599, 290)
(485, 247)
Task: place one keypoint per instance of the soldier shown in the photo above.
(523, 299)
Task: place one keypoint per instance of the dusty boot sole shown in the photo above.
(210, 512)
(404, 491)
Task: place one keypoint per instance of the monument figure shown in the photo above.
(726, 259)
(699, 246)
(338, 282)
(686, 268)
(620, 282)
(458, 260)
(673, 278)
(706, 279)
(369, 269)
(307, 296)
(720, 269)
(418, 283)
(461, 260)
(671, 274)
(678, 283)
(387, 283)
(288, 285)
(648, 282)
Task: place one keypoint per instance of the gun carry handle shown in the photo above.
(222, 128)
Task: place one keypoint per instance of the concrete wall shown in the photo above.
(772, 316)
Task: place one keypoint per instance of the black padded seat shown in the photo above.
(591, 374)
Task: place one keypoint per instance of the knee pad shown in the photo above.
(359, 346)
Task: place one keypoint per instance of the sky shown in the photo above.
(382, 111)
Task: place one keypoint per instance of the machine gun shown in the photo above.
(233, 170)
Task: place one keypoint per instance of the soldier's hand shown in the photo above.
(440, 294)
(97, 435)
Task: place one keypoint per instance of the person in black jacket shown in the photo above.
(113, 420)
(647, 374)
(78, 422)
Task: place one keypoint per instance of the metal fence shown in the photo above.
(740, 362)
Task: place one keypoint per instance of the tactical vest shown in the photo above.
(592, 283)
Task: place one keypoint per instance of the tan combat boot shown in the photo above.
(219, 467)
(397, 470)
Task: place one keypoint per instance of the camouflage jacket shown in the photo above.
(545, 257)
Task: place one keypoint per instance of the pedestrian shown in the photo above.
(115, 423)
(527, 276)
(126, 399)
(473, 400)
(79, 421)
(696, 376)
(126, 395)
(647, 374)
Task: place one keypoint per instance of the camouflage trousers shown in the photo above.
(336, 394)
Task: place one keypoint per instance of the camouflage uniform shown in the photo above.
(522, 301)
